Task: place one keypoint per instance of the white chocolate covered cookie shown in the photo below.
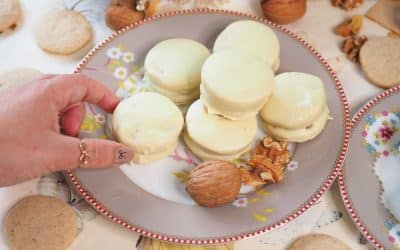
(235, 85)
(250, 37)
(149, 124)
(173, 68)
(213, 137)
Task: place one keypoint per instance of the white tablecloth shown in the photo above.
(328, 216)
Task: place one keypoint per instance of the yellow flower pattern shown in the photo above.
(90, 124)
(182, 175)
(260, 217)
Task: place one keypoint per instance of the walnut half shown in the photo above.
(352, 45)
(347, 4)
(268, 161)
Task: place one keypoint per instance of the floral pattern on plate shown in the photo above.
(381, 138)
(392, 229)
(124, 68)
(381, 133)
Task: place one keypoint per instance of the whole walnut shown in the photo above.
(284, 11)
(121, 13)
(214, 183)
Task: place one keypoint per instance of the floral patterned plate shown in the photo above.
(151, 199)
(370, 180)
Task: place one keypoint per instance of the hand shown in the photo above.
(31, 115)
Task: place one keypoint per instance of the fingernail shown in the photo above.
(123, 155)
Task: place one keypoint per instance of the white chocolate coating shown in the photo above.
(297, 100)
(175, 65)
(205, 154)
(217, 134)
(252, 38)
(235, 85)
(149, 124)
(179, 97)
(300, 134)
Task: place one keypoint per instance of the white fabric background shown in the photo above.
(18, 49)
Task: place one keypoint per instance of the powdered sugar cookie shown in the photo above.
(40, 223)
(18, 76)
(10, 13)
(63, 32)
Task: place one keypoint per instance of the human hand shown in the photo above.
(31, 117)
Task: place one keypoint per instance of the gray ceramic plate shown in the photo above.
(372, 162)
(151, 199)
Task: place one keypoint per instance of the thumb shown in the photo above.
(100, 153)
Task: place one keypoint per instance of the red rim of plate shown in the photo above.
(342, 183)
(314, 198)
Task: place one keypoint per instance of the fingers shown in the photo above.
(72, 119)
(70, 89)
(101, 153)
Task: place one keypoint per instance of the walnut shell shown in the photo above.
(214, 183)
(120, 16)
(284, 11)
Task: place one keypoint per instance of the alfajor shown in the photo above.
(235, 85)
(212, 137)
(252, 38)
(149, 124)
(173, 68)
(297, 110)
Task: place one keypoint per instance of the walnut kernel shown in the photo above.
(351, 47)
(347, 4)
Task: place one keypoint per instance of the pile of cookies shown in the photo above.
(234, 84)
(225, 91)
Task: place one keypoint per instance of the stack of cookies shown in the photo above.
(297, 110)
(226, 91)
(236, 82)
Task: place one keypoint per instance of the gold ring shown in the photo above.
(84, 157)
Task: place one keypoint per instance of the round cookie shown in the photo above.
(40, 223)
(173, 68)
(300, 134)
(235, 85)
(18, 76)
(250, 37)
(297, 100)
(212, 137)
(318, 242)
(63, 32)
(10, 13)
(149, 124)
(380, 61)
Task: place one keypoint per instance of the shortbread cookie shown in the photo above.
(380, 61)
(10, 13)
(149, 124)
(18, 76)
(40, 223)
(318, 242)
(63, 32)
